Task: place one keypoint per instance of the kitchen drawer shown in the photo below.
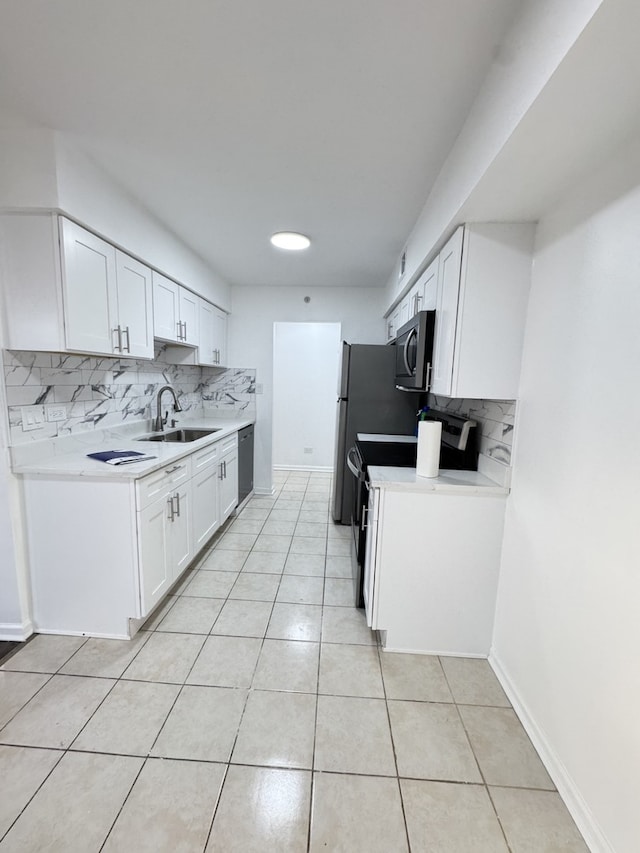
(150, 488)
(227, 444)
(207, 456)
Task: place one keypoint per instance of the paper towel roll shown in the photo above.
(428, 458)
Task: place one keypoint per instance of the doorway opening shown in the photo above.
(306, 363)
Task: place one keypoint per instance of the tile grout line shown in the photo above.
(393, 743)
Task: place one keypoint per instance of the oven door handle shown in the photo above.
(352, 464)
(405, 352)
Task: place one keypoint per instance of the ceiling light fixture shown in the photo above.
(290, 240)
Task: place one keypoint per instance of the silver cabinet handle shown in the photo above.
(173, 470)
(184, 326)
(176, 497)
(225, 469)
(179, 331)
(363, 520)
(427, 384)
(171, 510)
(128, 334)
(220, 476)
(118, 331)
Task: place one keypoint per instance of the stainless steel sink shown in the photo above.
(182, 436)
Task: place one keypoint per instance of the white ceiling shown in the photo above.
(231, 119)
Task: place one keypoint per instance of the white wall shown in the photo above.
(88, 194)
(306, 366)
(40, 168)
(567, 633)
(256, 309)
(537, 43)
(27, 167)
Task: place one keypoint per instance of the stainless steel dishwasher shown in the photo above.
(245, 463)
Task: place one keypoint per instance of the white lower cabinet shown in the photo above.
(163, 502)
(228, 477)
(431, 570)
(205, 498)
(155, 578)
(103, 551)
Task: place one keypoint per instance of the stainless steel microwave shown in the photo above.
(414, 351)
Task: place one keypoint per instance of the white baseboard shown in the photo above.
(16, 632)
(97, 635)
(568, 790)
(267, 493)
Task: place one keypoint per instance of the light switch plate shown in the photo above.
(32, 418)
(259, 388)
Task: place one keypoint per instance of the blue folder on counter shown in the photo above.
(120, 457)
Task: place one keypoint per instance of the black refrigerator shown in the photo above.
(368, 401)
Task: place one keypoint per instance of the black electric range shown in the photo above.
(458, 451)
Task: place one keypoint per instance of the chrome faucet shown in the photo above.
(159, 421)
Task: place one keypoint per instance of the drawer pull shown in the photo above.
(173, 470)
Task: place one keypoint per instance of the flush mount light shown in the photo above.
(290, 240)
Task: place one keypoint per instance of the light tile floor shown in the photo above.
(255, 712)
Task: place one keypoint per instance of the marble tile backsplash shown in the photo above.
(495, 419)
(98, 392)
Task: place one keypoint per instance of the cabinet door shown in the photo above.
(180, 542)
(206, 353)
(189, 310)
(450, 261)
(135, 309)
(428, 287)
(371, 557)
(89, 290)
(205, 515)
(228, 484)
(405, 309)
(220, 336)
(166, 310)
(155, 573)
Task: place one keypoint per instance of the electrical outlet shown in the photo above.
(56, 413)
(259, 388)
(308, 450)
(32, 418)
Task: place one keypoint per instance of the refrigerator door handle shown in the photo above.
(352, 464)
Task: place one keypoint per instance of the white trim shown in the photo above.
(325, 469)
(567, 788)
(16, 631)
(265, 492)
(428, 652)
(87, 634)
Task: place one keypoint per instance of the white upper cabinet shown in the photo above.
(166, 309)
(189, 316)
(212, 339)
(67, 290)
(175, 312)
(220, 336)
(206, 347)
(135, 307)
(107, 296)
(89, 290)
(426, 297)
(484, 278)
(450, 259)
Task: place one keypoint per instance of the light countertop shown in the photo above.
(75, 462)
(452, 482)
